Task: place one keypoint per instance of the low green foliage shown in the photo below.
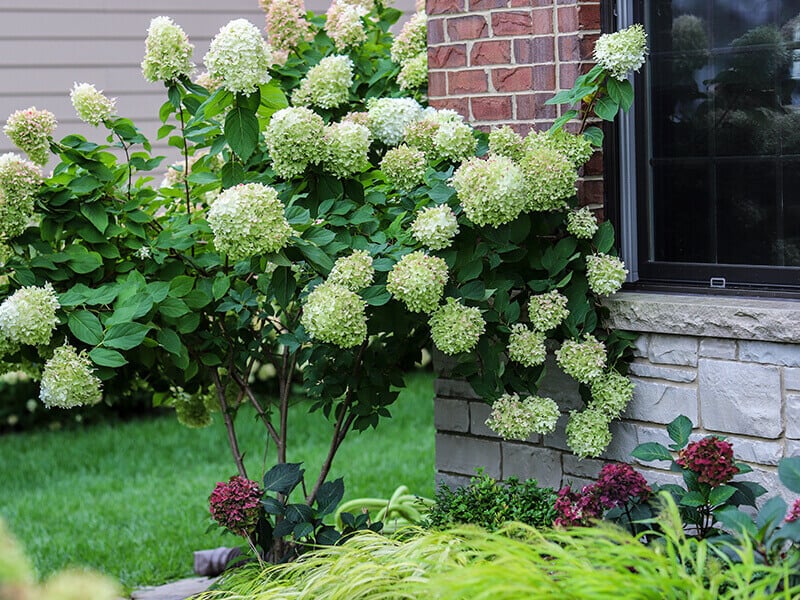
(489, 503)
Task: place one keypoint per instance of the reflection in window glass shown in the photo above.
(724, 96)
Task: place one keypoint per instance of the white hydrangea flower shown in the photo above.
(583, 361)
(346, 148)
(68, 380)
(414, 72)
(456, 328)
(239, 57)
(168, 53)
(326, 85)
(491, 191)
(30, 130)
(294, 139)
(404, 167)
(19, 181)
(622, 52)
(504, 141)
(611, 393)
(92, 106)
(515, 419)
(525, 346)
(550, 179)
(388, 117)
(412, 39)
(344, 25)
(588, 433)
(454, 141)
(418, 281)
(355, 272)
(547, 311)
(28, 316)
(576, 148)
(248, 220)
(606, 273)
(336, 315)
(435, 227)
(582, 223)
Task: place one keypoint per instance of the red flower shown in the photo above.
(711, 459)
(577, 508)
(618, 484)
(236, 505)
(794, 512)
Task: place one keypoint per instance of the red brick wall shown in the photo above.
(497, 61)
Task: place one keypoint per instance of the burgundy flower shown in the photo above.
(711, 459)
(618, 484)
(794, 512)
(577, 508)
(236, 504)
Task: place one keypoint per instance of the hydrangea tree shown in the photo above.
(319, 224)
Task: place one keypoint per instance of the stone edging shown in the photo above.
(706, 316)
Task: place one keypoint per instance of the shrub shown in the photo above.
(489, 504)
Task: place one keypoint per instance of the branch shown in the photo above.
(285, 385)
(259, 409)
(232, 441)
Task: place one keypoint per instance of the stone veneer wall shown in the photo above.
(731, 365)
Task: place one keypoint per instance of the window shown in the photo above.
(710, 162)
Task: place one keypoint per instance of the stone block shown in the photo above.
(676, 374)
(657, 476)
(661, 403)
(717, 348)
(784, 355)
(793, 416)
(454, 388)
(740, 397)
(463, 455)
(451, 481)
(626, 436)
(581, 467)
(672, 350)
(762, 452)
(557, 439)
(450, 414)
(559, 386)
(641, 345)
(575, 483)
(532, 462)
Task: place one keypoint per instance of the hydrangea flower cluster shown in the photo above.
(248, 220)
(68, 380)
(576, 148)
(550, 179)
(504, 141)
(583, 361)
(435, 227)
(606, 273)
(19, 181)
(412, 39)
(419, 134)
(355, 272)
(576, 509)
(582, 223)
(168, 53)
(336, 315)
(192, 410)
(547, 311)
(343, 24)
(622, 52)
(28, 316)
(239, 57)
(294, 137)
(515, 419)
(236, 505)
(212, 84)
(711, 459)
(611, 393)
(418, 281)
(525, 346)
(414, 72)
(456, 328)
(92, 106)
(404, 167)
(30, 130)
(346, 148)
(588, 433)
(326, 85)
(454, 141)
(491, 191)
(388, 117)
(286, 24)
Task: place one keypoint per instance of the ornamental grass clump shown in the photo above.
(30, 130)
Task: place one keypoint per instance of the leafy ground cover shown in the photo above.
(130, 500)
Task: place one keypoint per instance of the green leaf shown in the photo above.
(693, 499)
(81, 260)
(283, 285)
(679, 431)
(316, 256)
(562, 120)
(376, 295)
(329, 496)
(84, 184)
(720, 495)
(789, 473)
(86, 327)
(97, 215)
(233, 174)
(180, 286)
(220, 287)
(595, 136)
(736, 521)
(241, 131)
(107, 358)
(272, 506)
(302, 530)
(173, 308)
(283, 478)
(125, 335)
(606, 108)
(651, 451)
(604, 237)
(170, 341)
(620, 92)
(299, 513)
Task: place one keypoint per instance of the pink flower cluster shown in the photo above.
(616, 485)
(236, 504)
(794, 512)
(711, 459)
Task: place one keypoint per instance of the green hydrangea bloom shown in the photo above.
(606, 273)
(355, 272)
(335, 315)
(504, 141)
(346, 148)
(326, 85)
(418, 281)
(550, 179)
(547, 311)
(343, 24)
(412, 39)
(622, 52)
(582, 223)
(611, 393)
(92, 106)
(454, 141)
(491, 191)
(30, 130)
(456, 328)
(588, 433)
(404, 167)
(28, 316)
(239, 58)
(191, 409)
(388, 118)
(515, 419)
(19, 182)
(294, 139)
(576, 148)
(168, 53)
(526, 346)
(583, 361)
(435, 227)
(68, 380)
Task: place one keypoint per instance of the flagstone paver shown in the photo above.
(178, 590)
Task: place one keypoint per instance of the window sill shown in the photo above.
(706, 316)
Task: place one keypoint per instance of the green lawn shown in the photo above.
(131, 499)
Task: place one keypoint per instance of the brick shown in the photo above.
(462, 455)
(532, 106)
(437, 84)
(447, 57)
(460, 105)
(567, 19)
(497, 52)
(595, 165)
(656, 402)
(475, 5)
(544, 78)
(589, 16)
(673, 350)
(435, 31)
(521, 128)
(762, 452)
(491, 108)
(440, 7)
(454, 388)
(793, 416)
(586, 44)
(786, 355)
(791, 379)
(533, 50)
(521, 3)
(532, 462)
(590, 191)
(568, 73)
(717, 348)
(467, 82)
(451, 415)
(467, 28)
(542, 21)
(512, 80)
(512, 23)
(675, 374)
(738, 397)
(569, 48)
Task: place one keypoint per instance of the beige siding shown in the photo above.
(47, 45)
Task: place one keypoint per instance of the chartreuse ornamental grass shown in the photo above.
(131, 499)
